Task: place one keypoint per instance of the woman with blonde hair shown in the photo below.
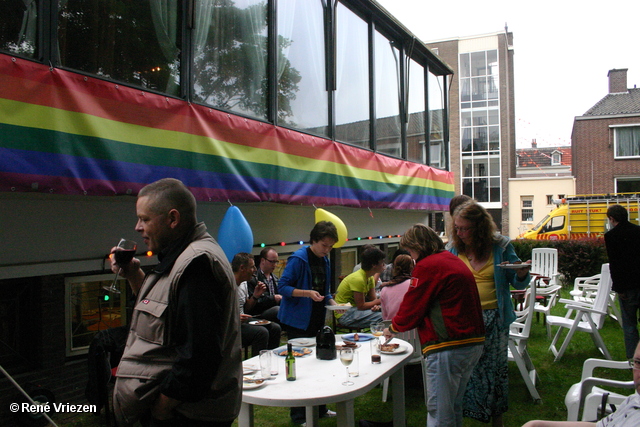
(477, 243)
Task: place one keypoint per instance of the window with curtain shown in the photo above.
(230, 56)
(387, 78)
(415, 129)
(19, 27)
(302, 95)
(436, 120)
(352, 79)
(627, 141)
(135, 42)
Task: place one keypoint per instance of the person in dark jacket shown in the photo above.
(268, 303)
(624, 263)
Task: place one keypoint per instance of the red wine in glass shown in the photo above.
(124, 253)
(124, 256)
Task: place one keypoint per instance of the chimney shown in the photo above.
(534, 144)
(618, 80)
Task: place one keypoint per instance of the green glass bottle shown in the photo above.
(290, 364)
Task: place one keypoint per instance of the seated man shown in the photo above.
(259, 337)
(627, 413)
(358, 289)
(268, 304)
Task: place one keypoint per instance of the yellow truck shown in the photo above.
(582, 216)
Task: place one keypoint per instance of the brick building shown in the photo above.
(482, 118)
(606, 141)
(543, 174)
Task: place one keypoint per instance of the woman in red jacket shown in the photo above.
(443, 303)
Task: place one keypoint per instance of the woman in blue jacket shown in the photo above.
(475, 241)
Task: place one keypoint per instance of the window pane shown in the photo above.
(135, 42)
(479, 88)
(387, 70)
(352, 79)
(302, 95)
(415, 131)
(466, 118)
(630, 185)
(19, 27)
(494, 137)
(480, 118)
(480, 139)
(494, 117)
(436, 117)
(466, 139)
(628, 141)
(465, 65)
(91, 309)
(478, 64)
(230, 56)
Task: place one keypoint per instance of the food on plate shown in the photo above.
(261, 322)
(253, 380)
(347, 344)
(296, 353)
(389, 347)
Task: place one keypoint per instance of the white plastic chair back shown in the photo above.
(601, 301)
(544, 262)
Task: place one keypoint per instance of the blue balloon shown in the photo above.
(235, 234)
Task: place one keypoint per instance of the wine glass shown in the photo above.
(377, 329)
(124, 253)
(346, 357)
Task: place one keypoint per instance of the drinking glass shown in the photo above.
(346, 357)
(265, 363)
(124, 253)
(375, 351)
(377, 329)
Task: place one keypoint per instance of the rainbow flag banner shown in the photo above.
(65, 133)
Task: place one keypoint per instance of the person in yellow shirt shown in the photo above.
(359, 290)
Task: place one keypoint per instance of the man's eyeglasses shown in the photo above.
(463, 229)
(272, 261)
(634, 364)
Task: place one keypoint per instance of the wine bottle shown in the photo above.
(290, 364)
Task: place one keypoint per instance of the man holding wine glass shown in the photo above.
(182, 362)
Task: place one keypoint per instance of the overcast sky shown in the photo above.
(563, 50)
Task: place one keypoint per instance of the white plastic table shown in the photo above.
(320, 382)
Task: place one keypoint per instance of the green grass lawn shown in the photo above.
(554, 381)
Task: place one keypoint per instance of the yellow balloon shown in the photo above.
(322, 215)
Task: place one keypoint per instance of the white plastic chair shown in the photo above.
(584, 317)
(550, 294)
(412, 338)
(518, 340)
(585, 396)
(585, 290)
(544, 266)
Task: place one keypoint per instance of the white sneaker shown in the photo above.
(329, 414)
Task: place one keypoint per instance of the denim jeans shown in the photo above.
(629, 306)
(447, 375)
(360, 318)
